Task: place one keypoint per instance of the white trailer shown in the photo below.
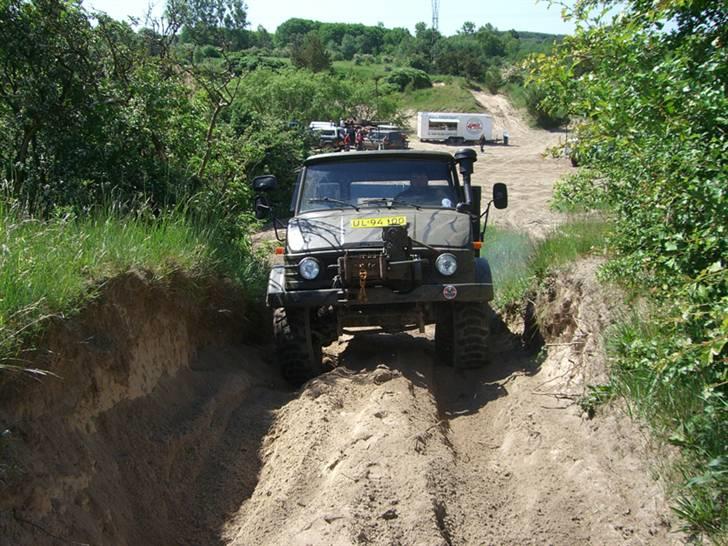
(453, 126)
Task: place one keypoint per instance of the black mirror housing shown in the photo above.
(500, 195)
(265, 183)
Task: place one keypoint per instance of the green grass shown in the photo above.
(451, 96)
(660, 373)
(516, 94)
(509, 254)
(518, 263)
(50, 268)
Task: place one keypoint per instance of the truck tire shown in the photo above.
(444, 334)
(471, 339)
(297, 351)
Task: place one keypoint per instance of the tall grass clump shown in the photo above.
(50, 267)
(519, 263)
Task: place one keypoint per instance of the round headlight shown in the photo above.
(309, 268)
(446, 264)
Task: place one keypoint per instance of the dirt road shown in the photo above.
(391, 449)
(183, 434)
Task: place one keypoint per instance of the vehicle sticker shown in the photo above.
(383, 221)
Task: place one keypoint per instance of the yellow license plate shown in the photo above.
(384, 221)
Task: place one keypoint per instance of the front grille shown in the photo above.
(371, 258)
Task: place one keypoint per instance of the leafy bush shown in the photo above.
(651, 101)
(544, 114)
(411, 78)
(580, 192)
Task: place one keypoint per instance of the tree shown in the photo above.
(221, 23)
(310, 53)
(263, 39)
(294, 29)
(467, 28)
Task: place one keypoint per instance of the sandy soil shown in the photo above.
(391, 449)
(169, 425)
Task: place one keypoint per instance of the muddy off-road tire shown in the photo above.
(298, 353)
(444, 334)
(462, 334)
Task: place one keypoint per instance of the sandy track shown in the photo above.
(391, 449)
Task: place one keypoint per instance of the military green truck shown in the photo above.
(385, 240)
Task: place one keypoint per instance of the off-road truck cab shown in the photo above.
(385, 240)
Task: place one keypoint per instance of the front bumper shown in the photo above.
(278, 296)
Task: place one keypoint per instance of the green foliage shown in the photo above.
(308, 52)
(667, 364)
(469, 53)
(580, 192)
(85, 112)
(493, 80)
(403, 78)
(93, 112)
(303, 96)
(545, 115)
(651, 103)
(220, 23)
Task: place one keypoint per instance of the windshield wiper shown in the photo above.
(388, 201)
(332, 200)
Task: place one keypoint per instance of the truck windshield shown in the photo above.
(425, 183)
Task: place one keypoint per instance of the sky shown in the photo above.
(529, 15)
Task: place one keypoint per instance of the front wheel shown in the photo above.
(297, 351)
(462, 334)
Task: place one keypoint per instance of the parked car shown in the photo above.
(379, 139)
(329, 135)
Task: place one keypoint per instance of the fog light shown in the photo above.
(446, 264)
(309, 268)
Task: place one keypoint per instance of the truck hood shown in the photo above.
(334, 229)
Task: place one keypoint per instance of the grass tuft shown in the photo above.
(518, 263)
(50, 268)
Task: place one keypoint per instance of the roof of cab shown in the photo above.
(336, 157)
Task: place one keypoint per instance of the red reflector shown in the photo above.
(477, 245)
(280, 250)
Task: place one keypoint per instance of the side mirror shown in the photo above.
(261, 208)
(265, 183)
(500, 195)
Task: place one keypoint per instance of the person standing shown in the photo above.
(482, 142)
